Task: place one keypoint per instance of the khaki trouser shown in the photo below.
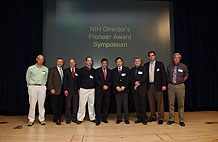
(36, 94)
(158, 97)
(177, 91)
(86, 95)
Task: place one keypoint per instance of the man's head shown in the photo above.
(72, 63)
(60, 62)
(137, 61)
(39, 60)
(104, 62)
(89, 61)
(152, 56)
(119, 61)
(176, 58)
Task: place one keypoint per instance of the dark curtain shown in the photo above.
(196, 38)
(21, 29)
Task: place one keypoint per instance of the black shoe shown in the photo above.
(94, 121)
(160, 122)
(97, 122)
(74, 121)
(105, 121)
(79, 122)
(118, 121)
(68, 121)
(151, 119)
(137, 121)
(170, 122)
(144, 122)
(127, 121)
(182, 124)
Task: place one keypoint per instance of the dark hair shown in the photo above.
(151, 52)
(118, 59)
(60, 59)
(89, 57)
(137, 57)
(104, 59)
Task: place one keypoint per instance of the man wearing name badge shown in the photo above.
(120, 83)
(87, 91)
(177, 74)
(103, 79)
(138, 78)
(36, 77)
(55, 87)
(156, 86)
(71, 91)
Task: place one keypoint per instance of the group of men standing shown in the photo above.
(94, 87)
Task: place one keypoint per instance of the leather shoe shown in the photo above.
(94, 121)
(137, 121)
(118, 121)
(170, 122)
(151, 119)
(58, 122)
(127, 121)
(68, 122)
(105, 121)
(79, 122)
(97, 123)
(182, 124)
(74, 121)
(160, 122)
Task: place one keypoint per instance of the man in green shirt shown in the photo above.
(36, 77)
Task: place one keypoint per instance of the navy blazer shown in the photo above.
(159, 75)
(120, 79)
(100, 81)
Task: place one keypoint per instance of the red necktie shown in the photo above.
(104, 74)
(73, 73)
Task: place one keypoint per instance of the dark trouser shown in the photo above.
(140, 100)
(157, 96)
(57, 104)
(72, 104)
(122, 99)
(102, 105)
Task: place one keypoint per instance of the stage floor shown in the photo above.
(200, 127)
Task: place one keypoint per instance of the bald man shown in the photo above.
(36, 77)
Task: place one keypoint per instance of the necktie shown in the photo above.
(61, 74)
(104, 74)
(152, 72)
(174, 74)
(119, 70)
(73, 73)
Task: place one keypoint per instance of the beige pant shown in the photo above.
(176, 91)
(86, 95)
(36, 93)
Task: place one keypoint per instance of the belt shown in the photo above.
(38, 84)
(176, 83)
(151, 82)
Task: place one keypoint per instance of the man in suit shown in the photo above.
(103, 81)
(71, 91)
(138, 77)
(55, 82)
(156, 86)
(120, 84)
(87, 91)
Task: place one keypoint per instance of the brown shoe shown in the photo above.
(58, 122)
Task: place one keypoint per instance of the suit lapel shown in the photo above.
(59, 76)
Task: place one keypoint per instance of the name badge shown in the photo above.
(43, 72)
(180, 70)
(140, 72)
(123, 74)
(158, 69)
(76, 74)
(90, 76)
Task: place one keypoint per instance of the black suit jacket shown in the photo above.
(70, 84)
(100, 81)
(120, 80)
(54, 81)
(142, 76)
(159, 75)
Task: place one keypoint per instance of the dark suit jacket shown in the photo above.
(159, 75)
(54, 80)
(120, 80)
(70, 84)
(141, 76)
(100, 81)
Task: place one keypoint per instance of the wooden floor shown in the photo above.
(200, 127)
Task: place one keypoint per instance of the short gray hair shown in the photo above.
(177, 54)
